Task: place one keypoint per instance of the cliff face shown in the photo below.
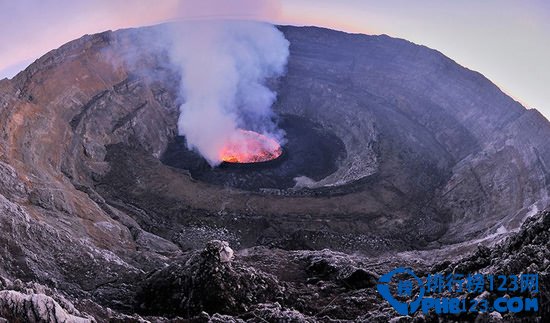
(441, 130)
(56, 118)
(434, 154)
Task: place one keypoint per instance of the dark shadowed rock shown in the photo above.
(327, 265)
(206, 281)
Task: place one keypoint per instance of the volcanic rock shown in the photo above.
(207, 281)
(21, 302)
(17, 307)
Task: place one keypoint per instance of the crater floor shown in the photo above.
(309, 151)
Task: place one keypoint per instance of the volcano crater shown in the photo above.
(311, 153)
(98, 194)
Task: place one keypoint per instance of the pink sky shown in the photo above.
(508, 41)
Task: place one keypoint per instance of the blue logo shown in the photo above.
(406, 292)
(405, 288)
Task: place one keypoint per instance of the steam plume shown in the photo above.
(224, 67)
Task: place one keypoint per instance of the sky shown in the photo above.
(506, 40)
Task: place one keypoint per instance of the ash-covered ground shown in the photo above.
(396, 157)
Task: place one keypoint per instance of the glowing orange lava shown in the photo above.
(250, 147)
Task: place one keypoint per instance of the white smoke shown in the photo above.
(224, 66)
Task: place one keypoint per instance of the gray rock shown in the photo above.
(206, 281)
(18, 307)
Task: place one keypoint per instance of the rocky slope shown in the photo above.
(435, 155)
(262, 284)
